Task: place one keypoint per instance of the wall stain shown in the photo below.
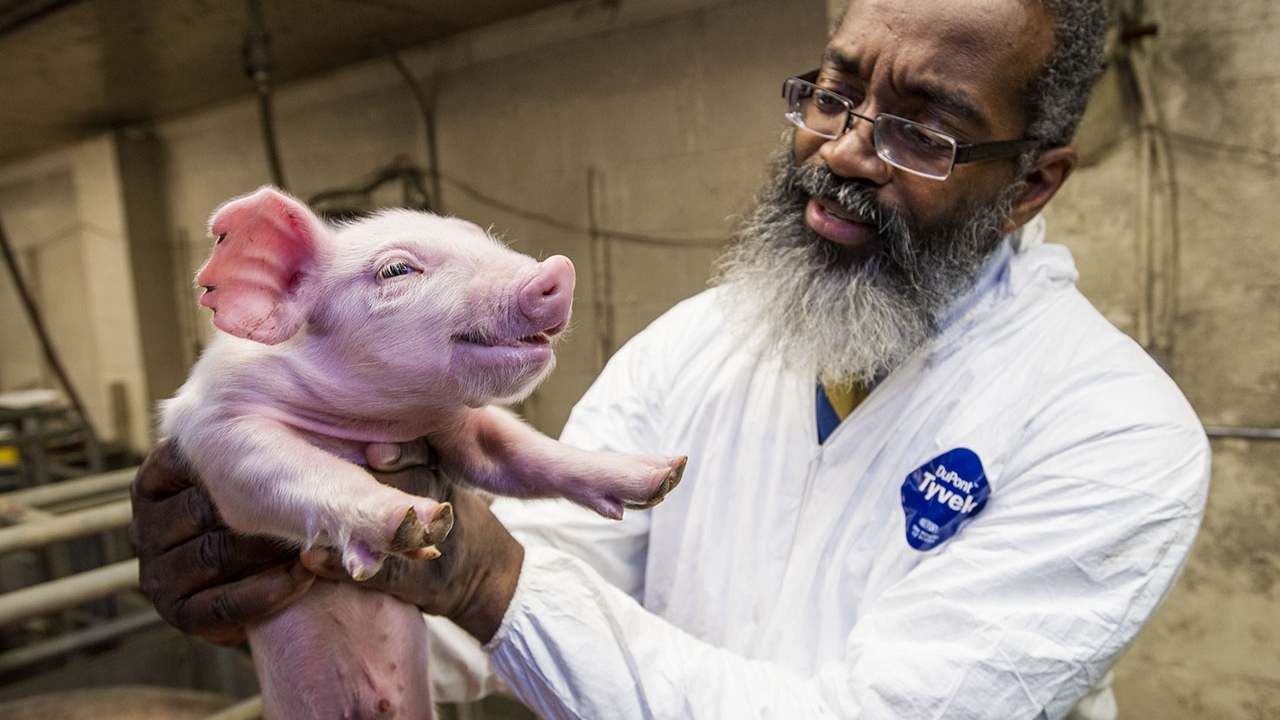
(1242, 520)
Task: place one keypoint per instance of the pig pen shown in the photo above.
(79, 640)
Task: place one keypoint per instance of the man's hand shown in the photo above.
(474, 578)
(203, 578)
(209, 581)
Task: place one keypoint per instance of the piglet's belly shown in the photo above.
(343, 652)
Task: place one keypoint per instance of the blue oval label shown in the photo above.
(942, 495)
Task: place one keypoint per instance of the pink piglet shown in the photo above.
(386, 329)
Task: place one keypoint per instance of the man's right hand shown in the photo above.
(203, 578)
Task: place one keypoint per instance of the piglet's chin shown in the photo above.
(505, 373)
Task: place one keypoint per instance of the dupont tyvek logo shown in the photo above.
(941, 495)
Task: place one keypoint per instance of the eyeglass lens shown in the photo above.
(899, 141)
(914, 147)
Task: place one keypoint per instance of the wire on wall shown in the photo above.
(42, 333)
(601, 273)
(426, 107)
(687, 241)
(258, 66)
(1258, 155)
(1156, 224)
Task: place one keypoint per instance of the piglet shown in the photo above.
(386, 329)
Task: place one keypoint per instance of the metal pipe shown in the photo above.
(70, 489)
(250, 709)
(79, 640)
(1246, 433)
(64, 527)
(60, 594)
(14, 513)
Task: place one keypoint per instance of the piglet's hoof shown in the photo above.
(669, 482)
(412, 534)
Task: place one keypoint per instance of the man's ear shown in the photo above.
(1039, 185)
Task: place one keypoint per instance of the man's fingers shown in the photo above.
(169, 506)
(162, 524)
(208, 560)
(164, 472)
(393, 457)
(399, 575)
(219, 614)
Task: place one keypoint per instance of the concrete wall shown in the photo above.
(654, 119)
(1198, 284)
(63, 215)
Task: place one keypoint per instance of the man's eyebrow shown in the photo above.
(953, 103)
(950, 101)
(841, 63)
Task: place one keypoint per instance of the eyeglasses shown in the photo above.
(902, 143)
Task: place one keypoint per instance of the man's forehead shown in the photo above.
(963, 55)
(931, 91)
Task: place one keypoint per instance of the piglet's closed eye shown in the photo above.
(255, 280)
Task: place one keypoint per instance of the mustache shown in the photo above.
(899, 253)
(854, 197)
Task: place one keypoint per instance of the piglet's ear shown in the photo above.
(257, 279)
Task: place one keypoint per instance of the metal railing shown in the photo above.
(31, 526)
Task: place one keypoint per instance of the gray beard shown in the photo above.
(819, 309)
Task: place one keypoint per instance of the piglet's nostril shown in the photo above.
(547, 296)
(551, 290)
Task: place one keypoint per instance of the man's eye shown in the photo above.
(919, 136)
(395, 269)
(828, 103)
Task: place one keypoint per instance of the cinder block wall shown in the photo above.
(650, 122)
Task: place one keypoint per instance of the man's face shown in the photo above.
(960, 66)
(847, 264)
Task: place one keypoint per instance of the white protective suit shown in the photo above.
(981, 538)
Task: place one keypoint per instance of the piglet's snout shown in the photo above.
(546, 298)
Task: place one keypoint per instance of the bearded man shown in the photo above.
(927, 478)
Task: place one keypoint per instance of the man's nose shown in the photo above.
(853, 154)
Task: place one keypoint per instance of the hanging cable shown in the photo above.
(413, 175)
(636, 238)
(258, 66)
(427, 109)
(42, 333)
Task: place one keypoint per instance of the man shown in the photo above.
(927, 479)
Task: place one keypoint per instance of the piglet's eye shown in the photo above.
(395, 269)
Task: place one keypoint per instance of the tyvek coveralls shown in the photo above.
(981, 538)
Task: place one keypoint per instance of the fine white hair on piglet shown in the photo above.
(395, 327)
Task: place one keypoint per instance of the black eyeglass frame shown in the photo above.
(964, 152)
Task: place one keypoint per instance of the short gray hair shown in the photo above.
(1059, 93)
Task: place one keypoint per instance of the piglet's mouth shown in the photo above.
(483, 339)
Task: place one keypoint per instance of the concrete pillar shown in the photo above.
(160, 277)
(115, 366)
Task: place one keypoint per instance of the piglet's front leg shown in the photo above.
(494, 450)
(271, 481)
